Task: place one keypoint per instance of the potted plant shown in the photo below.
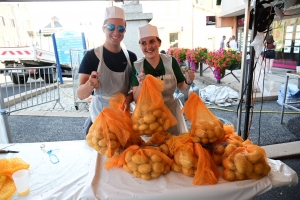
(221, 60)
(196, 56)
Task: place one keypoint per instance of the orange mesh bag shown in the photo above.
(151, 114)
(248, 162)
(7, 189)
(185, 159)
(145, 163)
(111, 129)
(205, 124)
(7, 168)
(207, 171)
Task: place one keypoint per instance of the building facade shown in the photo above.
(285, 29)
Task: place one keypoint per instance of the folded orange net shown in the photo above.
(7, 168)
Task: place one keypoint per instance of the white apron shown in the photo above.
(170, 86)
(112, 83)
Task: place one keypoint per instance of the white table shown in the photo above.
(80, 175)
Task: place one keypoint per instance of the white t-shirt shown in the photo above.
(233, 45)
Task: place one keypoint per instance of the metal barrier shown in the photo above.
(76, 57)
(32, 82)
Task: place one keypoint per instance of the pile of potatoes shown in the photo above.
(145, 164)
(185, 161)
(96, 141)
(149, 119)
(245, 165)
(208, 132)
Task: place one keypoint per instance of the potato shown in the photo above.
(267, 169)
(114, 144)
(102, 143)
(132, 166)
(128, 156)
(148, 132)
(207, 125)
(219, 132)
(141, 121)
(139, 159)
(96, 147)
(161, 121)
(166, 124)
(175, 167)
(219, 149)
(255, 156)
(137, 174)
(135, 127)
(239, 176)
(200, 127)
(164, 148)
(94, 140)
(258, 168)
(155, 174)
(167, 169)
(99, 135)
(231, 165)
(149, 119)
(143, 127)
(210, 134)
(204, 141)
(144, 168)
(217, 158)
(186, 159)
(249, 168)
(156, 158)
(254, 175)
(158, 167)
(229, 149)
(213, 139)
(154, 126)
(125, 167)
(188, 171)
(157, 113)
(228, 175)
(112, 136)
(200, 133)
(196, 139)
(103, 150)
(146, 176)
(240, 162)
(159, 129)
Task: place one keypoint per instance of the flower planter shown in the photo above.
(234, 67)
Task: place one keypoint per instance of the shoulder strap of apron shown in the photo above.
(126, 53)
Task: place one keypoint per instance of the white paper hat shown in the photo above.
(148, 30)
(114, 12)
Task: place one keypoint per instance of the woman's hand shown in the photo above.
(94, 80)
(189, 76)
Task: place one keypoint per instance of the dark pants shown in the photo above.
(87, 124)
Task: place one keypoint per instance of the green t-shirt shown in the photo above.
(159, 71)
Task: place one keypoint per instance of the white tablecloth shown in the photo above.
(80, 175)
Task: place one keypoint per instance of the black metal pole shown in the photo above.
(250, 77)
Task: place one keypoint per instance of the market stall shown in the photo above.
(79, 174)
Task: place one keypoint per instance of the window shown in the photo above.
(12, 22)
(174, 39)
(200, 2)
(2, 22)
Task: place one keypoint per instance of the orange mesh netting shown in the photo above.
(111, 128)
(119, 161)
(151, 114)
(248, 162)
(159, 138)
(7, 168)
(207, 171)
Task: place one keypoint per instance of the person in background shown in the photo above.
(162, 66)
(163, 52)
(270, 45)
(227, 43)
(222, 43)
(106, 70)
(233, 43)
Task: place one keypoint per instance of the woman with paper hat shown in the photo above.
(106, 70)
(161, 66)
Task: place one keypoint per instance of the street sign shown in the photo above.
(63, 41)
